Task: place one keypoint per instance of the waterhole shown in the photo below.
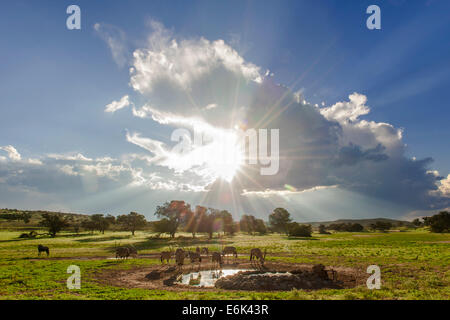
(206, 278)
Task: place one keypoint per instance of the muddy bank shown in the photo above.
(164, 277)
(316, 278)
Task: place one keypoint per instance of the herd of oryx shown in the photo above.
(216, 257)
(180, 254)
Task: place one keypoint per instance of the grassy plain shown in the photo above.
(414, 264)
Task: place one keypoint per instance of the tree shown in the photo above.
(9, 216)
(260, 226)
(322, 229)
(439, 222)
(54, 223)
(348, 227)
(206, 224)
(228, 225)
(247, 223)
(26, 216)
(355, 227)
(132, 221)
(89, 225)
(295, 229)
(176, 211)
(76, 227)
(381, 225)
(210, 222)
(417, 222)
(162, 226)
(100, 222)
(74, 224)
(192, 219)
(279, 220)
(111, 219)
(336, 226)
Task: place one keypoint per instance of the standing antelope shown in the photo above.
(42, 248)
(257, 254)
(179, 257)
(229, 250)
(216, 258)
(195, 256)
(133, 251)
(122, 252)
(166, 255)
(205, 251)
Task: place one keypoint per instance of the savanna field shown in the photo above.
(414, 264)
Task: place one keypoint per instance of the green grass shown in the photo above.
(414, 264)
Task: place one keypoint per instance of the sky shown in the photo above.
(88, 117)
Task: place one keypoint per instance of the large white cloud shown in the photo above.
(193, 77)
(183, 62)
(362, 132)
(344, 112)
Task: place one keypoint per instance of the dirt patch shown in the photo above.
(303, 276)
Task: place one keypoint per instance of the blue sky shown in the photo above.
(55, 84)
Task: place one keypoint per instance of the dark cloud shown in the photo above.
(352, 154)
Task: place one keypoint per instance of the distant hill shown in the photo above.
(11, 218)
(35, 213)
(363, 222)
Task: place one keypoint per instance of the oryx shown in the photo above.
(229, 250)
(166, 255)
(256, 254)
(42, 248)
(122, 252)
(179, 257)
(216, 258)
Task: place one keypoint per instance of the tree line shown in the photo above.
(97, 222)
(178, 216)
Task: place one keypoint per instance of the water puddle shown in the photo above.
(277, 274)
(206, 278)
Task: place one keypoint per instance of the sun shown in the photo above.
(224, 156)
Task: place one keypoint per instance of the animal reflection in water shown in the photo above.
(205, 278)
(216, 274)
(195, 281)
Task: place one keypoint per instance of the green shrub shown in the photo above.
(299, 230)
